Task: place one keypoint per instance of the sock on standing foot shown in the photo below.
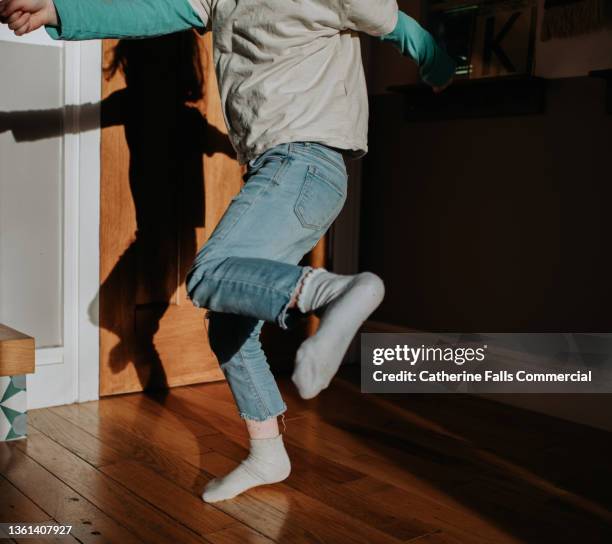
(343, 303)
(267, 463)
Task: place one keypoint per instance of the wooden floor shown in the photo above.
(424, 469)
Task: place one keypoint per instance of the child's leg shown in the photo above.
(235, 341)
(247, 272)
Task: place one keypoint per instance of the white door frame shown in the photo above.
(70, 373)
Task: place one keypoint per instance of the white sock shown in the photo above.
(267, 463)
(345, 302)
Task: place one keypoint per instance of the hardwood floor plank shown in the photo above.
(466, 526)
(179, 504)
(184, 506)
(15, 507)
(141, 518)
(162, 426)
(346, 443)
(154, 403)
(238, 534)
(59, 500)
(132, 447)
(142, 425)
(537, 516)
(42, 539)
(71, 437)
(439, 537)
(221, 414)
(365, 486)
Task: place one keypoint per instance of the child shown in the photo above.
(294, 98)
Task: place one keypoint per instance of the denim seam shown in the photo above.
(256, 198)
(253, 386)
(282, 167)
(336, 212)
(304, 193)
(316, 173)
(230, 228)
(331, 163)
(320, 155)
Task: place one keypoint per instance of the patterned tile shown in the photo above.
(13, 407)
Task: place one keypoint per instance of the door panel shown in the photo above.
(162, 139)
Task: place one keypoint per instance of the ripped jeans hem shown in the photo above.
(272, 415)
(281, 320)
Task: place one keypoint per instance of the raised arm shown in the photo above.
(93, 19)
(382, 18)
(437, 68)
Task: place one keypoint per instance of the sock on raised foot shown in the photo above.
(343, 303)
(267, 463)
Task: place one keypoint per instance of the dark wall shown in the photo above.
(498, 224)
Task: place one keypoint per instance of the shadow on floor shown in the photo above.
(537, 478)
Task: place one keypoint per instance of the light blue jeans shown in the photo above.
(247, 271)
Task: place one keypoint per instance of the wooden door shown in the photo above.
(168, 173)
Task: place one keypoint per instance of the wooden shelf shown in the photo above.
(16, 352)
(474, 98)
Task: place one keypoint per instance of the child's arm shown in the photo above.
(382, 18)
(437, 68)
(93, 19)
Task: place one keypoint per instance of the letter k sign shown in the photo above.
(503, 41)
(492, 43)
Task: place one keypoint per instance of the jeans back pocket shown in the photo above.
(321, 198)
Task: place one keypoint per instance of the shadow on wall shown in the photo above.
(496, 224)
(167, 137)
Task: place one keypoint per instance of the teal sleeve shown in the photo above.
(95, 19)
(412, 40)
